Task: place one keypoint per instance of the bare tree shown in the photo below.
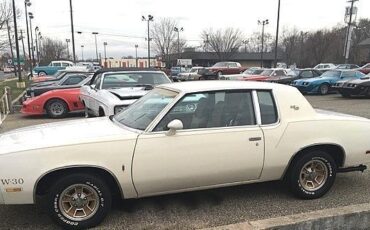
(53, 50)
(165, 38)
(6, 14)
(224, 42)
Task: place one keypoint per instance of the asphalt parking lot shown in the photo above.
(212, 207)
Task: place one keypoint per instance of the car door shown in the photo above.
(219, 144)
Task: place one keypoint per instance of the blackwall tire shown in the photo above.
(88, 194)
(56, 108)
(312, 175)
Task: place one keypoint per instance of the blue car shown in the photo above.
(323, 84)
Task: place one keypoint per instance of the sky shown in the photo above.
(118, 22)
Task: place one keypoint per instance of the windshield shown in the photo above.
(134, 79)
(331, 74)
(267, 72)
(140, 114)
(293, 73)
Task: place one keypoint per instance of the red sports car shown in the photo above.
(365, 69)
(55, 103)
(265, 75)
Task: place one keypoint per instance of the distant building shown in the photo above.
(210, 58)
(365, 44)
(131, 62)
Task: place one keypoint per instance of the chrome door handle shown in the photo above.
(255, 139)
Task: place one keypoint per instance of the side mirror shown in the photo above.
(92, 87)
(174, 126)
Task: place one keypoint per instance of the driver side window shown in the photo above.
(212, 110)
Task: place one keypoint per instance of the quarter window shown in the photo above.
(212, 110)
(267, 107)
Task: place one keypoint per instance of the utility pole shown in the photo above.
(277, 35)
(105, 54)
(136, 46)
(24, 51)
(263, 23)
(96, 45)
(73, 33)
(68, 40)
(347, 46)
(148, 20)
(27, 4)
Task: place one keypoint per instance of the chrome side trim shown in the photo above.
(256, 105)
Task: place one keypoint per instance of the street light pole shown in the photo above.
(245, 42)
(82, 52)
(277, 34)
(24, 51)
(96, 45)
(136, 46)
(68, 40)
(105, 54)
(27, 4)
(32, 47)
(16, 42)
(349, 32)
(178, 30)
(73, 32)
(263, 23)
(149, 19)
(37, 49)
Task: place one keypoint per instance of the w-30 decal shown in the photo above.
(14, 181)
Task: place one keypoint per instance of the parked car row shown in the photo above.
(105, 92)
(178, 138)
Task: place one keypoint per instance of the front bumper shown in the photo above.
(1, 198)
(30, 109)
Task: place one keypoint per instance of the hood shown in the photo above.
(61, 134)
(129, 93)
(316, 79)
(359, 81)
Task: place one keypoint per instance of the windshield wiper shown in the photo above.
(147, 86)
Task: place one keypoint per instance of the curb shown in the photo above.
(347, 217)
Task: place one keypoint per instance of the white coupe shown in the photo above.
(181, 137)
(110, 92)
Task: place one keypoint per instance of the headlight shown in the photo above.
(119, 108)
(352, 85)
(305, 83)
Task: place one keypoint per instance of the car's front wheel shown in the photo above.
(79, 201)
(312, 175)
(56, 108)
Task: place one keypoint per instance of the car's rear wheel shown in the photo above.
(312, 175)
(201, 78)
(41, 73)
(324, 89)
(79, 201)
(56, 108)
